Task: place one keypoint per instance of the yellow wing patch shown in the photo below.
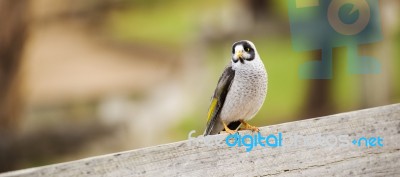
(212, 108)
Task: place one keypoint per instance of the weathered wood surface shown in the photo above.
(194, 158)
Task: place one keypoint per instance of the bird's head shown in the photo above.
(243, 51)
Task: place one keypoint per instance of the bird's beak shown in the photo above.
(239, 54)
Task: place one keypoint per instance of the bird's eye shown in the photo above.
(247, 49)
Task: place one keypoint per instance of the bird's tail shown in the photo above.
(216, 127)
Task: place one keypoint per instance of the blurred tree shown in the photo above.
(318, 102)
(260, 9)
(13, 33)
(379, 90)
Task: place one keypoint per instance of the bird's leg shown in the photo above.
(227, 129)
(249, 127)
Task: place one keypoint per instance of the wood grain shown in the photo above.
(318, 156)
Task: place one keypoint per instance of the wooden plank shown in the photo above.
(197, 158)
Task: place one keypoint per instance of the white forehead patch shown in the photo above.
(238, 48)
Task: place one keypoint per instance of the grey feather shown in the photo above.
(214, 126)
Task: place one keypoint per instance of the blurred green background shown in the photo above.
(85, 78)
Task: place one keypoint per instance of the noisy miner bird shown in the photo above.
(240, 92)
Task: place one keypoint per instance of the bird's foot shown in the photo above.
(228, 130)
(249, 127)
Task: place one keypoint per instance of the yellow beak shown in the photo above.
(239, 54)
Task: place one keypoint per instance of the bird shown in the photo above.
(240, 92)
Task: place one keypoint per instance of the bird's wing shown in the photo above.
(218, 99)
